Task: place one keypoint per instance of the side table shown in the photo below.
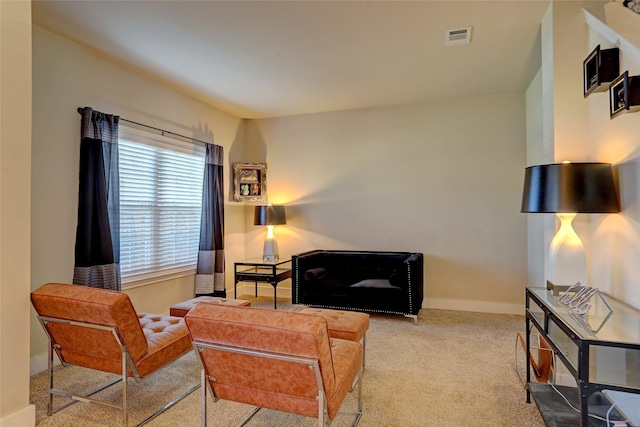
(601, 350)
(256, 270)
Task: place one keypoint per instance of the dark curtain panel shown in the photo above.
(210, 272)
(97, 252)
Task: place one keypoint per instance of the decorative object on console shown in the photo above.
(250, 182)
(580, 301)
(567, 189)
(601, 66)
(577, 298)
(633, 5)
(624, 95)
(270, 216)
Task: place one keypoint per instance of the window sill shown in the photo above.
(132, 283)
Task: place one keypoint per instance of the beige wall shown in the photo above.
(15, 186)
(539, 227)
(570, 42)
(444, 179)
(556, 114)
(67, 76)
(615, 248)
(580, 129)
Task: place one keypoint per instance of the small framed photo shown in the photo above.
(590, 68)
(601, 66)
(250, 182)
(618, 101)
(624, 95)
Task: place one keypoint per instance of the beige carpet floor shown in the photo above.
(452, 369)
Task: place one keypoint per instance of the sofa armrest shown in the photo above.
(414, 258)
(300, 264)
(415, 279)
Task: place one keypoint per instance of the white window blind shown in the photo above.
(160, 205)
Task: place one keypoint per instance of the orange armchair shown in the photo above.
(279, 360)
(99, 329)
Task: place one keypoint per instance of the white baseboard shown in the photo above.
(471, 305)
(565, 379)
(40, 363)
(264, 290)
(562, 375)
(24, 418)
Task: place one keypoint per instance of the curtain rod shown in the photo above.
(162, 131)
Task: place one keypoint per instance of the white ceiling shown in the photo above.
(273, 58)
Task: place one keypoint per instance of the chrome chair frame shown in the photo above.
(126, 363)
(312, 363)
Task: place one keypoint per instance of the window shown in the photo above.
(160, 205)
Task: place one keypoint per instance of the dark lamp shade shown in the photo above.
(269, 215)
(570, 188)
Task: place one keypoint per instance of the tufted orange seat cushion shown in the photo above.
(166, 340)
(181, 309)
(268, 383)
(346, 325)
(152, 341)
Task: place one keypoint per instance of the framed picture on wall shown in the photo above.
(624, 95)
(601, 67)
(250, 182)
(617, 95)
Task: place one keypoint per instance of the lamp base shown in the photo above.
(567, 256)
(270, 250)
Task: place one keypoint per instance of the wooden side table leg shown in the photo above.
(275, 298)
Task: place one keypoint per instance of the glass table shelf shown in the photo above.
(601, 348)
(257, 270)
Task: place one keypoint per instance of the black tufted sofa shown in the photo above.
(385, 282)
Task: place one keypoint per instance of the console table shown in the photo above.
(601, 352)
(257, 270)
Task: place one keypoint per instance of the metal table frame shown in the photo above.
(256, 270)
(574, 343)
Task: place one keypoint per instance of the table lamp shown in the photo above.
(567, 189)
(270, 216)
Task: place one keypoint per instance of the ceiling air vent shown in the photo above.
(458, 36)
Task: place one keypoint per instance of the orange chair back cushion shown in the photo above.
(84, 346)
(259, 381)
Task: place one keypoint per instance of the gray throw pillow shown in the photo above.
(373, 283)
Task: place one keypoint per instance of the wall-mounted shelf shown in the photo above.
(601, 67)
(618, 24)
(624, 95)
